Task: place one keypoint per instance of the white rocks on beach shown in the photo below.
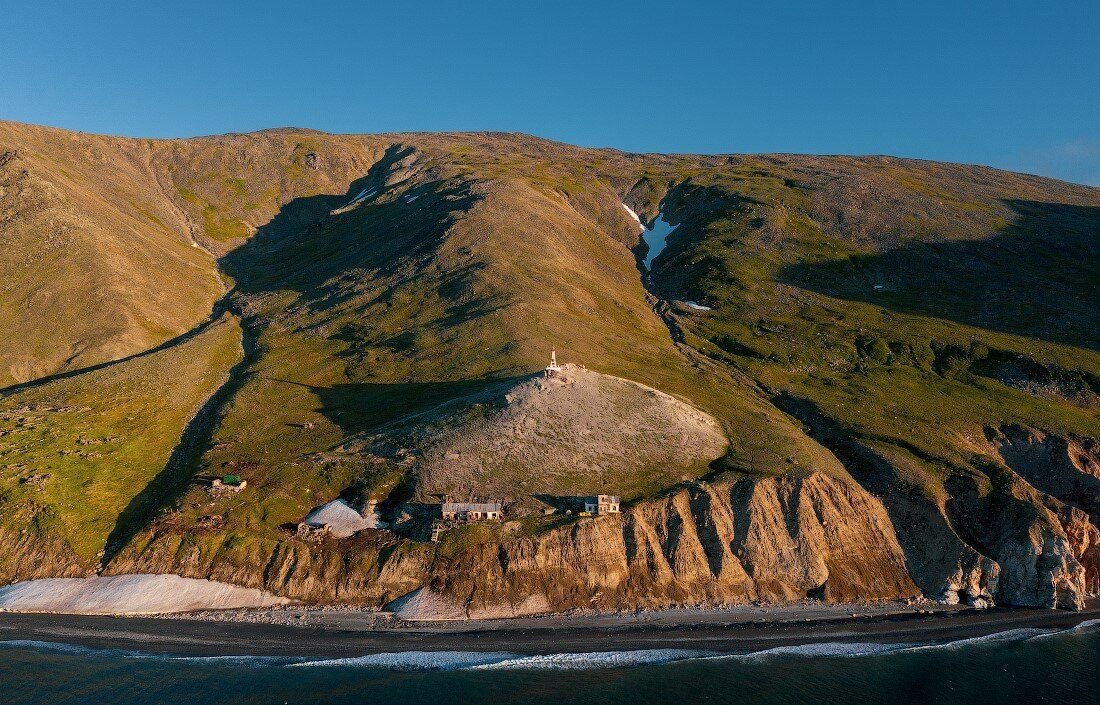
(130, 594)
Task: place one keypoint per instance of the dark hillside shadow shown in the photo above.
(312, 240)
(376, 407)
(1038, 277)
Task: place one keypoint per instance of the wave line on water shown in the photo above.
(566, 661)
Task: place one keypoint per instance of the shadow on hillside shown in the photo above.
(323, 253)
(374, 407)
(311, 248)
(1038, 277)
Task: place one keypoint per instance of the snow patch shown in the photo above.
(634, 215)
(130, 594)
(697, 306)
(359, 198)
(342, 519)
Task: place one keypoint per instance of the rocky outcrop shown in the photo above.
(557, 434)
(776, 539)
(1065, 474)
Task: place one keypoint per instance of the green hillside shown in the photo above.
(874, 319)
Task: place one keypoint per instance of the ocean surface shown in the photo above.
(1018, 666)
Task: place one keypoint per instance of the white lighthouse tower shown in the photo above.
(553, 368)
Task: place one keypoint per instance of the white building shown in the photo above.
(602, 504)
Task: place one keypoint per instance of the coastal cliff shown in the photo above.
(834, 378)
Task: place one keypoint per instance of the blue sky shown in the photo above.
(1011, 84)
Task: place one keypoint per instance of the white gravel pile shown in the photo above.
(342, 519)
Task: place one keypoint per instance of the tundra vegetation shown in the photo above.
(899, 361)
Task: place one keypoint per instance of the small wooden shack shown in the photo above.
(471, 511)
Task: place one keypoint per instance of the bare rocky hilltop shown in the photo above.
(841, 378)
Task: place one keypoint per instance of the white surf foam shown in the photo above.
(62, 648)
(823, 650)
(418, 660)
(1086, 626)
(987, 639)
(594, 660)
(498, 660)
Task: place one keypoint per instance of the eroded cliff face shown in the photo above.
(1062, 476)
(992, 538)
(777, 539)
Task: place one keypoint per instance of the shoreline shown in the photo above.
(357, 633)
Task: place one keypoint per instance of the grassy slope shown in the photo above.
(1003, 267)
(388, 309)
(479, 252)
(91, 245)
(98, 439)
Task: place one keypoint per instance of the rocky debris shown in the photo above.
(551, 431)
(37, 480)
(313, 533)
(209, 523)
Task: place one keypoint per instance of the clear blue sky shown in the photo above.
(1012, 84)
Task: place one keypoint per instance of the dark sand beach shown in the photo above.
(341, 634)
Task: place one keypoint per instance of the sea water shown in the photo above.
(1019, 666)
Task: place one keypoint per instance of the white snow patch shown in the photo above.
(698, 306)
(362, 196)
(342, 519)
(410, 199)
(634, 216)
(130, 594)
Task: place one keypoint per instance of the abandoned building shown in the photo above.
(470, 511)
(602, 504)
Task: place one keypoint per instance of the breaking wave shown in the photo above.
(499, 660)
(596, 659)
(418, 660)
